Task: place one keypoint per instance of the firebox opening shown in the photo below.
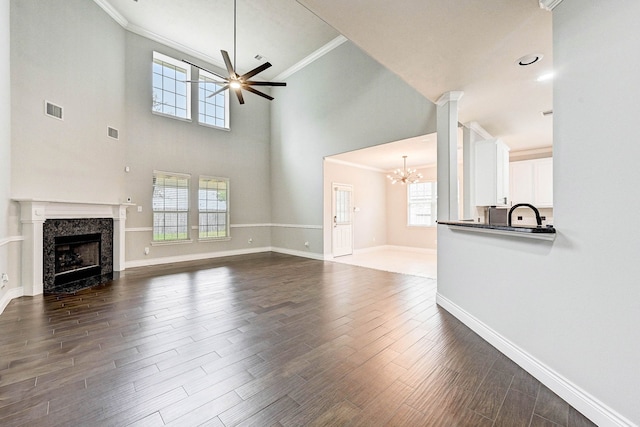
(76, 257)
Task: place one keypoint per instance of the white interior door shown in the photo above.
(342, 236)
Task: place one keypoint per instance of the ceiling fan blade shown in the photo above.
(257, 92)
(227, 62)
(258, 69)
(238, 92)
(265, 83)
(222, 89)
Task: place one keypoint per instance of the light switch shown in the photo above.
(139, 208)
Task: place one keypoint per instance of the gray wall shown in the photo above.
(5, 141)
(166, 144)
(71, 54)
(341, 102)
(573, 306)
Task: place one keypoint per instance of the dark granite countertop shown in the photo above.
(549, 229)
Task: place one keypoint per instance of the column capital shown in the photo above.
(453, 95)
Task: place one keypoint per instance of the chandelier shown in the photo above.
(404, 175)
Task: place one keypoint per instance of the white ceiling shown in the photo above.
(282, 31)
(420, 151)
(467, 45)
(435, 46)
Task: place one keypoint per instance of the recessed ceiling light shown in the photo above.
(529, 59)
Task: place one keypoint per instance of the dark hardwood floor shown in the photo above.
(262, 340)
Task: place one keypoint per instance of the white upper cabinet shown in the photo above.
(491, 173)
(532, 182)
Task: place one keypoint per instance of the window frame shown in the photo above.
(178, 211)
(227, 211)
(432, 201)
(205, 77)
(157, 56)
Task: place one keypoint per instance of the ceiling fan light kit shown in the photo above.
(237, 82)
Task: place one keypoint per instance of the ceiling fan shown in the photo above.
(235, 81)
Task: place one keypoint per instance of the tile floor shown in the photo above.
(396, 260)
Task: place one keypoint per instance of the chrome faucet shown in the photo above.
(535, 211)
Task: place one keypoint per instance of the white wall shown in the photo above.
(569, 310)
(369, 196)
(398, 232)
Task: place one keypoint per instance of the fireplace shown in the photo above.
(35, 213)
(76, 257)
(77, 253)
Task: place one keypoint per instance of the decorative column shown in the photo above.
(32, 217)
(447, 127)
(119, 219)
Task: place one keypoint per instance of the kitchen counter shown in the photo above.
(531, 232)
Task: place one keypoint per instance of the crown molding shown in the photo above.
(312, 57)
(354, 165)
(540, 151)
(174, 45)
(475, 126)
(112, 12)
(549, 4)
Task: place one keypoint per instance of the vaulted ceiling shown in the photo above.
(435, 46)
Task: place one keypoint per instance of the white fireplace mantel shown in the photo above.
(33, 214)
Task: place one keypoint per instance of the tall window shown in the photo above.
(171, 94)
(422, 208)
(213, 207)
(170, 206)
(213, 110)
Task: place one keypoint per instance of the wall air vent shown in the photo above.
(112, 133)
(53, 110)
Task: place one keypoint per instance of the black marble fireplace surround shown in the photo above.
(65, 230)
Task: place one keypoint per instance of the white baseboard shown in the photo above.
(11, 294)
(219, 254)
(302, 254)
(584, 402)
(192, 257)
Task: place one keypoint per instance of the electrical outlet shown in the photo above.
(250, 240)
(306, 244)
(5, 278)
(146, 250)
(139, 208)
